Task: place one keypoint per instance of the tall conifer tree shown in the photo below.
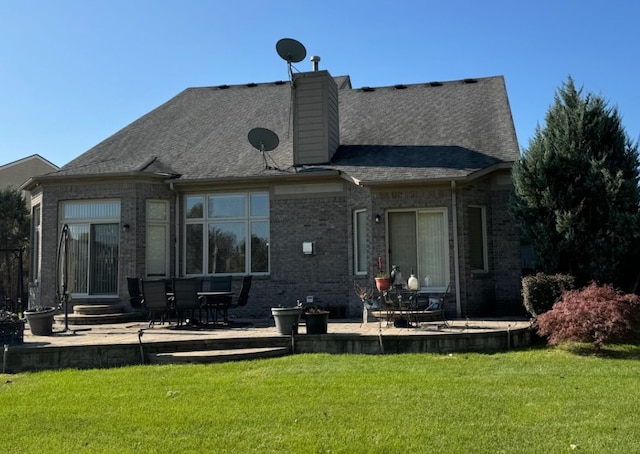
(576, 189)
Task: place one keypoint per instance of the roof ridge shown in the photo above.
(434, 83)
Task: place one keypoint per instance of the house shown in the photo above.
(339, 180)
(15, 173)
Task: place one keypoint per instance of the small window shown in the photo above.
(360, 241)
(35, 243)
(477, 238)
(157, 249)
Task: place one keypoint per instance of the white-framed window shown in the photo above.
(157, 238)
(418, 242)
(36, 242)
(93, 246)
(227, 233)
(478, 238)
(360, 242)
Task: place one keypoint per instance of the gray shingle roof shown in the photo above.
(415, 132)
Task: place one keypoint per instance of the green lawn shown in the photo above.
(539, 400)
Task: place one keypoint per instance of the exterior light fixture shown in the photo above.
(125, 228)
(378, 219)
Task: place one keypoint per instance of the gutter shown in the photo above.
(474, 175)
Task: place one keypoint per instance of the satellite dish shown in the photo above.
(291, 50)
(263, 139)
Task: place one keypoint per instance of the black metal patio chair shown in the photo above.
(135, 294)
(243, 297)
(156, 302)
(218, 303)
(186, 300)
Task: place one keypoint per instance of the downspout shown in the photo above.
(456, 249)
(176, 243)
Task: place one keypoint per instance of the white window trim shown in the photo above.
(356, 251)
(205, 220)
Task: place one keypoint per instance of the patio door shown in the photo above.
(93, 246)
(419, 241)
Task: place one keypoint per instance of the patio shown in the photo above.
(115, 345)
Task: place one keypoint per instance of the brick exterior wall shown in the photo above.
(132, 195)
(325, 218)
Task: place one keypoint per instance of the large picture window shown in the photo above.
(227, 233)
(419, 242)
(93, 250)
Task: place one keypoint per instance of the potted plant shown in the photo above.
(317, 320)
(11, 328)
(40, 320)
(365, 294)
(383, 281)
(287, 318)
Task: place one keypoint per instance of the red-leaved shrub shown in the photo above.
(597, 313)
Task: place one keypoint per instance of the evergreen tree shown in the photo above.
(576, 189)
(14, 234)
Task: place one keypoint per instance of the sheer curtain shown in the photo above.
(432, 248)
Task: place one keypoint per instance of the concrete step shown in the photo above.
(97, 309)
(217, 356)
(100, 319)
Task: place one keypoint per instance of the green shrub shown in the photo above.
(541, 291)
(597, 314)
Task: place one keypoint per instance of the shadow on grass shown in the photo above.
(607, 351)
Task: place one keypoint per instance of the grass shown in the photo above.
(538, 401)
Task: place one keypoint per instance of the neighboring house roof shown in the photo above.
(15, 173)
(417, 132)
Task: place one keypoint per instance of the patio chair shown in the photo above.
(135, 295)
(436, 303)
(154, 292)
(186, 300)
(243, 297)
(220, 303)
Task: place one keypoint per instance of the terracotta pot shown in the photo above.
(383, 283)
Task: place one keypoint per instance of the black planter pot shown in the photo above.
(317, 322)
(40, 321)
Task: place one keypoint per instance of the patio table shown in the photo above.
(212, 300)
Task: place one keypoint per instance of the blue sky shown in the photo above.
(74, 72)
